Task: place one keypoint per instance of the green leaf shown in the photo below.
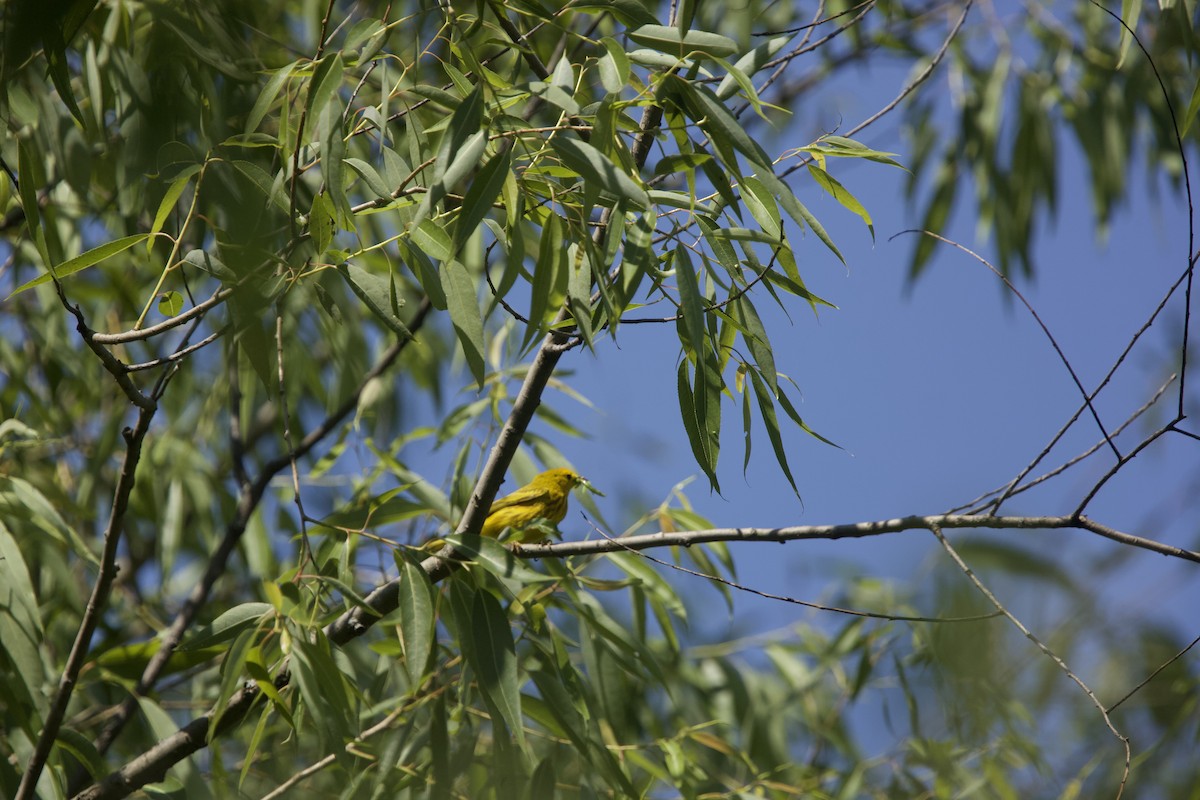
(459, 152)
(755, 336)
(497, 559)
(766, 406)
(205, 262)
(226, 626)
(707, 110)
(168, 202)
(328, 701)
(842, 195)
(843, 147)
(430, 237)
(324, 83)
(681, 44)
(798, 211)
(416, 618)
(372, 178)
(81, 262)
(170, 303)
(480, 197)
(463, 304)
(20, 626)
(751, 63)
(762, 207)
(267, 97)
(614, 66)
(1193, 106)
(549, 277)
(691, 304)
(321, 223)
(494, 659)
(596, 168)
(271, 188)
(698, 437)
(378, 293)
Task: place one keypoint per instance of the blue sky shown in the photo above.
(937, 394)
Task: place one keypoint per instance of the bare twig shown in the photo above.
(1045, 329)
(96, 604)
(1062, 665)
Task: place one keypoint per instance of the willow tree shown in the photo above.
(244, 239)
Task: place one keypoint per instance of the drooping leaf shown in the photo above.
(494, 659)
(463, 304)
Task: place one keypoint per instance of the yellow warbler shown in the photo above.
(545, 498)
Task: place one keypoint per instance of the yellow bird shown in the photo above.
(543, 498)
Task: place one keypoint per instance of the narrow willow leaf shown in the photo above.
(750, 63)
(548, 276)
(1193, 106)
(691, 304)
(596, 168)
(271, 188)
(755, 336)
(842, 195)
(766, 407)
(416, 619)
(378, 294)
(614, 66)
(424, 271)
(371, 177)
(747, 419)
(495, 661)
(326, 696)
(430, 237)
(84, 260)
(321, 223)
(679, 43)
(762, 207)
(798, 211)
(687, 413)
(167, 204)
(719, 122)
(707, 400)
(579, 292)
(20, 626)
(463, 304)
(843, 147)
(267, 98)
(227, 626)
(480, 196)
(324, 83)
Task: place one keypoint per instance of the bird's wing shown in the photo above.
(526, 494)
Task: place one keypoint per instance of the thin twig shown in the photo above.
(795, 601)
(96, 605)
(1045, 329)
(1062, 665)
